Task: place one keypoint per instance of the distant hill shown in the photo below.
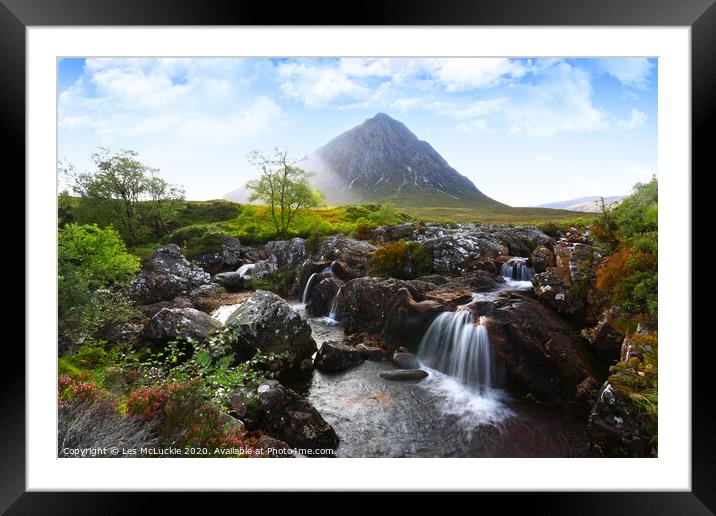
(584, 204)
(382, 161)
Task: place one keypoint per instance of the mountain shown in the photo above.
(381, 160)
(584, 204)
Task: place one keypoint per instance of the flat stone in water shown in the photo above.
(403, 374)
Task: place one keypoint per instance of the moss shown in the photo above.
(404, 260)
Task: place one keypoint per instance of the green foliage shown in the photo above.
(90, 258)
(126, 194)
(629, 232)
(283, 187)
(199, 238)
(103, 311)
(404, 260)
(281, 281)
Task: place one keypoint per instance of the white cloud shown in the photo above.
(559, 100)
(459, 74)
(636, 120)
(477, 125)
(316, 85)
(633, 72)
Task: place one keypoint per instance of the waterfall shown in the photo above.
(308, 286)
(457, 345)
(334, 305)
(245, 268)
(516, 268)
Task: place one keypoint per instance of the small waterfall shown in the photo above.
(516, 268)
(308, 286)
(457, 345)
(245, 268)
(333, 314)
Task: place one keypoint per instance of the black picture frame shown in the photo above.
(700, 15)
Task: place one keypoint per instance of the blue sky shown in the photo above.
(525, 131)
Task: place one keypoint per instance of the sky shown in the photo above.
(525, 131)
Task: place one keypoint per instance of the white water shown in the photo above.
(459, 346)
(333, 314)
(245, 268)
(516, 268)
(307, 288)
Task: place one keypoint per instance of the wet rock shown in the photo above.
(171, 323)
(406, 319)
(321, 295)
(273, 447)
(337, 356)
(606, 337)
(373, 353)
(401, 375)
(618, 427)
(542, 258)
(543, 355)
(169, 275)
(351, 252)
(364, 301)
(268, 324)
(406, 360)
(225, 260)
(291, 418)
(231, 281)
(307, 269)
(456, 253)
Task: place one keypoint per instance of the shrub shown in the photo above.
(404, 260)
(182, 417)
(92, 425)
(90, 258)
(630, 280)
(199, 238)
(103, 311)
(363, 231)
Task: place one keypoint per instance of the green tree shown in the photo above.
(163, 204)
(283, 186)
(121, 182)
(90, 258)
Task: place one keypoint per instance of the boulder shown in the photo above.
(542, 258)
(568, 287)
(210, 290)
(172, 323)
(402, 375)
(406, 319)
(395, 232)
(618, 427)
(373, 353)
(605, 338)
(337, 356)
(286, 253)
(308, 269)
(231, 281)
(266, 323)
(353, 253)
(169, 275)
(291, 418)
(154, 308)
(543, 355)
(364, 301)
(124, 333)
(456, 253)
(272, 447)
(321, 296)
(406, 360)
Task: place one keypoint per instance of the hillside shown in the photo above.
(585, 204)
(382, 161)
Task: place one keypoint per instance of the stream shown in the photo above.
(436, 417)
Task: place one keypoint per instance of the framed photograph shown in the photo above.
(416, 253)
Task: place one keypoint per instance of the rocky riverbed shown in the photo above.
(360, 373)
